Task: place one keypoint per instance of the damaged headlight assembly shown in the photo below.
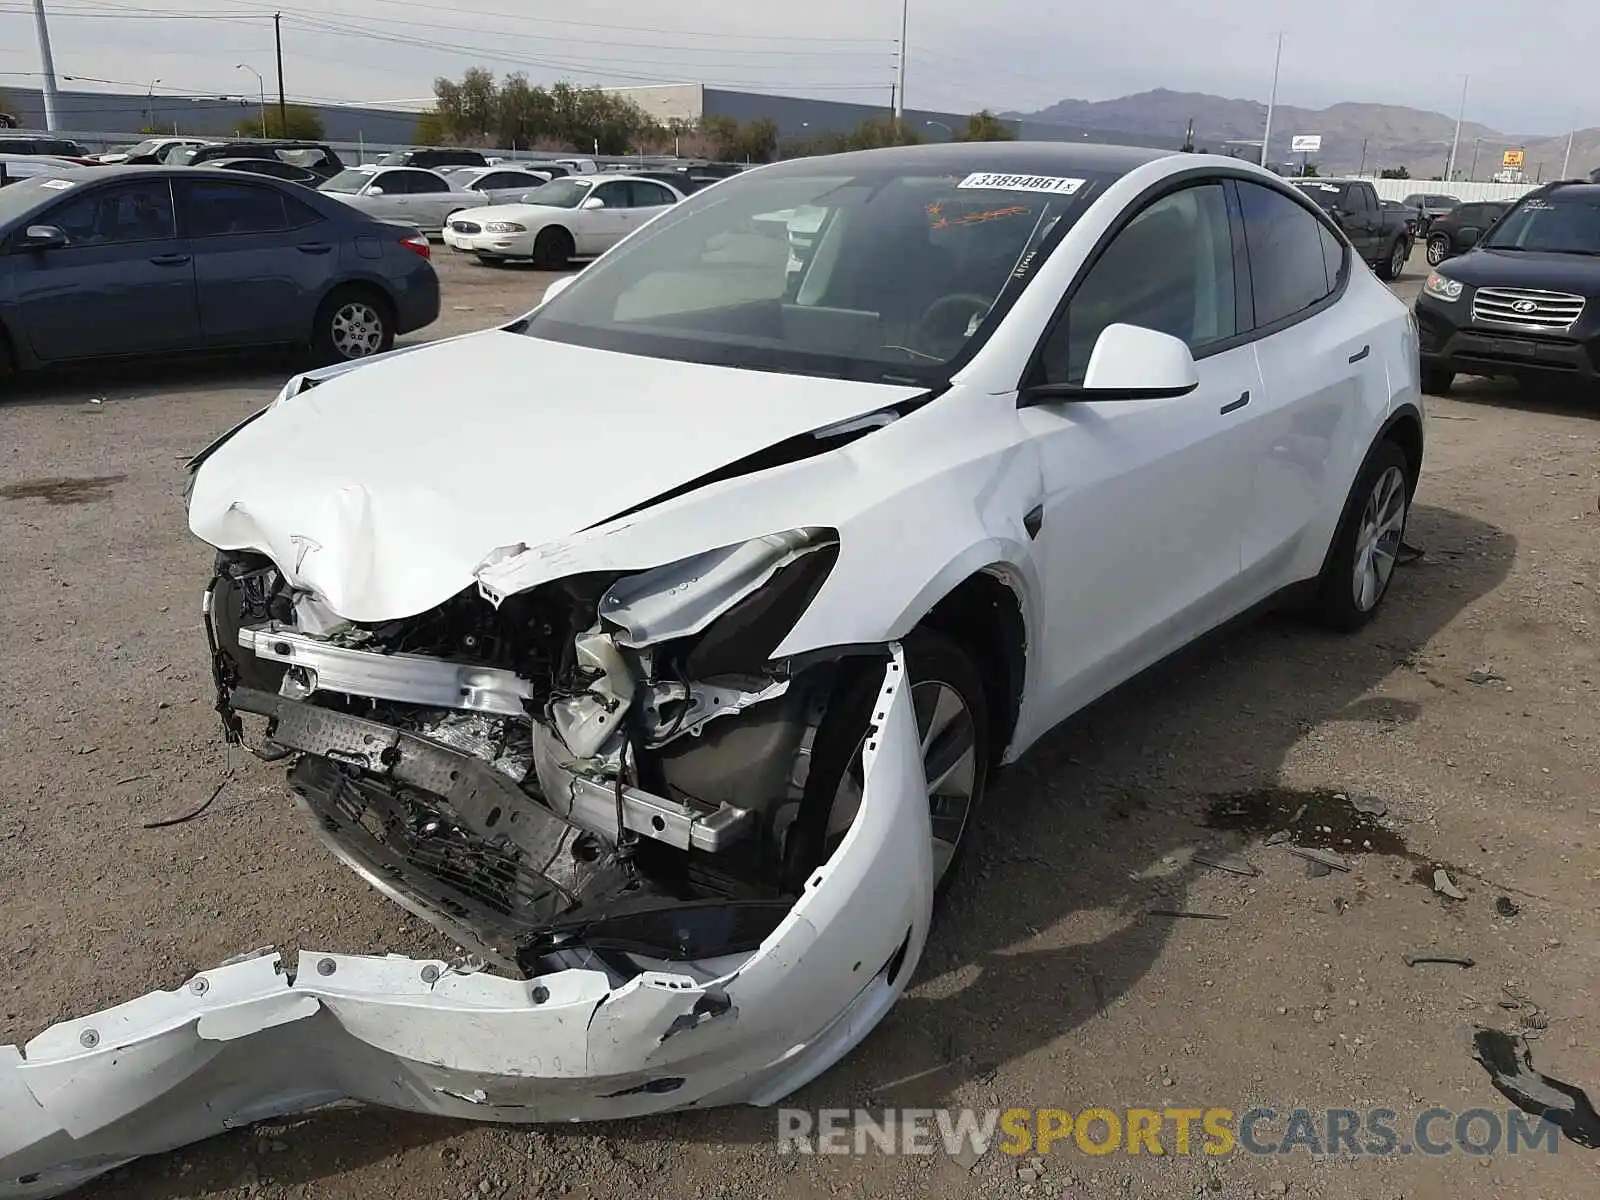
(590, 784)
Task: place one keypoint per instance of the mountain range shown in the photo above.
(1354, 135)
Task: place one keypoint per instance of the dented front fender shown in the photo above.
(248, 1041)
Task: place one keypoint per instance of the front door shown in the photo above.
(602, 228)
(1143, 500)
(123, 284)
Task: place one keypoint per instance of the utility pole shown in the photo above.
(900, 67)
(47, 66)
(1450, 165)
(1361, 170)
(1272, 102)
(1566, 159)
(283, 106)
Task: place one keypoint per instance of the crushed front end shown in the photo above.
(604, 788)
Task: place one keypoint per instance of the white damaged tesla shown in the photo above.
(668, 686)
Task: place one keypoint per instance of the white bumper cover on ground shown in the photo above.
(246, 1041)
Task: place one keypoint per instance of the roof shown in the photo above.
(1010, 158)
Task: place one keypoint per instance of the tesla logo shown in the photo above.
(1524, 307)
(303, 546)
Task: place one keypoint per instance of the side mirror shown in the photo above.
(593, 202)
(557, 287)
(374, 190)
(43, 237)
(1128, 362)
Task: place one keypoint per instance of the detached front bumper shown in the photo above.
(249, 1041)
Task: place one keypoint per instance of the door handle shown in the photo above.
(314, 247)
(170, 260)
(1361, 353)
(1243, 399)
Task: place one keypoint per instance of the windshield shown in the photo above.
(21, 196)
(877, 275)
(1553, 224)
(1325, 194)
(558, 193)
(350, 181)
(148, 146)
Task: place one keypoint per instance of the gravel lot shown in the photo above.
(1467, 709)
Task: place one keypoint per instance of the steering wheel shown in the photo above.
(948, 340)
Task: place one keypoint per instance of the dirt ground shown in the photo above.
(1467, 711)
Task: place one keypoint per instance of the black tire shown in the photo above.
(1335, 605)
(931, 658)
(553, 249)
(1436, 381)
(1438, 249)
(367, 318)
(1394, 261)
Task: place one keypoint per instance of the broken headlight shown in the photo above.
(743, 598)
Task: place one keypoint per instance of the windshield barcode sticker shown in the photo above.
(1053, 184)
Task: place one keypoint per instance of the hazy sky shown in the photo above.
(1526, 76)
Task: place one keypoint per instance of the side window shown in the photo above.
(1363, 200)
(650, 195)
(211, 209)
(500, 180)
(616, 194)
(129, 212)
(1169, 269)
(1288, 273)
(1334, 256)
(393, 183)
(419, 183)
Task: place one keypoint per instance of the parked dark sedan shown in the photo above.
(115, 262)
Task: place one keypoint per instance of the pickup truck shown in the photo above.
(1381, 236)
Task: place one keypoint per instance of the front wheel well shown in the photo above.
(1405, 431)
(982, 615)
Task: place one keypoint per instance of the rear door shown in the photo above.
(261, 260)
(123, 284)
(1318, 364)
(431, 198)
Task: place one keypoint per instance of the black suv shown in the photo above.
(317, 157)
(431, 158)
(1525, 301)
(1461, 228)
(53, 146)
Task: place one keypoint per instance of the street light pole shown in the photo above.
(283, 107)
(1272, 102)
(150, 104)
(900, 67)
(47, 66)
(1450, 166)
(261, 91)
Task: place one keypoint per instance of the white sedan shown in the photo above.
(575, 217)
(410, 195)
(670, 687)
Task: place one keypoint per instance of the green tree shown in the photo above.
(984, 126)
(1394, 173)
(430, 129)
(476, 110)
(747, 142)
(297, 122)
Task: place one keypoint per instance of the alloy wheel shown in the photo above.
(1435, 253)
(1383, 522)
(357, 329)
(949, 760)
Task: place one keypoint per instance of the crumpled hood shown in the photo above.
(384, 488)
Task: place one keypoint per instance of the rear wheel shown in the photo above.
(953, 722)
(1394, 262)
(353, 322)
(553, 250)
(1438, 249)
(1366, 547)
